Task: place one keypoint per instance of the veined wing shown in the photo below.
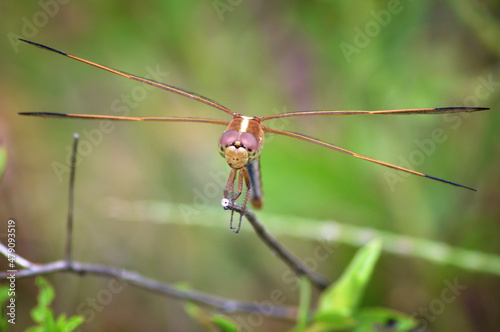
(123, 118)
(336, 148)
(439, 110)
(163, 86)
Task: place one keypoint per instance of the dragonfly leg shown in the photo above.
(229, 191)
(243, 175)
(235, 197)
(230, 185)
(240, 183)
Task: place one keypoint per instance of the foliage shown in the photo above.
(260, 57)
(211, 322)
(4, 296)
(338, 307)
(43, 315)
(3, 160)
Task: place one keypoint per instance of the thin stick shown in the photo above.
(222, 304)
(69, 226)
(277, 248)
(135, 279)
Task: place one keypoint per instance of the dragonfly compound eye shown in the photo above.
(228, 138)
(249, 141)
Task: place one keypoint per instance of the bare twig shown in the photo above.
(221, 304)
(277, 248)
(69, 227)
(133, 278)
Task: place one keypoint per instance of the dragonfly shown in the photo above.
(242, 142)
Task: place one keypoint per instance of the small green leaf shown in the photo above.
(199, 315)
(46, 294)
(332, 322)
(339, 302)
(4, 294)
(225, 324)
(381, 319)
(43, 315)
(211, 322)
(73, 322)
(60, 322)
(4, 297)
(305, 299)
(3, 160)
(40, 314)
(35, 329)
(192, 310)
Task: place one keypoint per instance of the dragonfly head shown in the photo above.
(239, 149)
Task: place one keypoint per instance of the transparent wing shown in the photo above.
(122, 118)
(336, 148)
(163, 86)
(439, 110)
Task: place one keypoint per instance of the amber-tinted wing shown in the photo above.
(122, 118)
(163, 86)
(336, 148)
(439, 110)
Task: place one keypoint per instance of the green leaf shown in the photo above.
(4, 297)
(43, 315)
(378, 319)
(39, 314)
(332, 321)
(60, 322)
(73, 322)
(211, 322)
(225, 324)
(3, 160)
(4, 294)
(339, 302)
(35, 329)
(46, 294)
(305, 299)
(192, 310)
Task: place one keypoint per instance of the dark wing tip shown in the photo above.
(42, 113)
(449, 182)
(42, 46)
(464, 108)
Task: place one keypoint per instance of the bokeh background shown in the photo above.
(147, 194)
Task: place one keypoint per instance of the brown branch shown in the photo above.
(137, 280)
(277, 248)
(69, 224)
(221, 304)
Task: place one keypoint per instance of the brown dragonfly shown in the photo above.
(242, 142)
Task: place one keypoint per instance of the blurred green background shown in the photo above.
(147, 194)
